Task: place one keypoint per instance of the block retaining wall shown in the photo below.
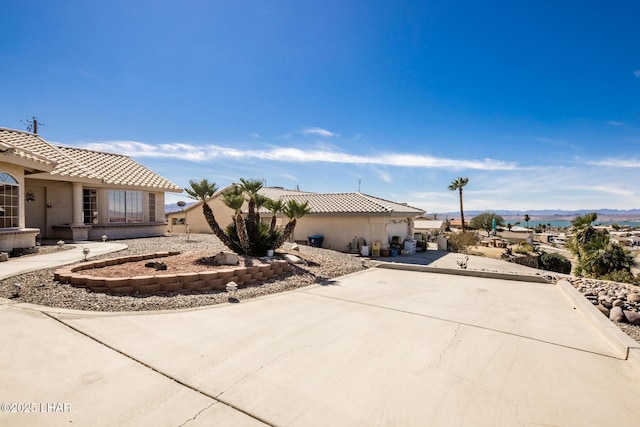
(78, 275)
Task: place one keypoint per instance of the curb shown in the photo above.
(470, 273)
(627, 348)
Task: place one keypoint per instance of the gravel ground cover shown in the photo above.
(320, 265)
(40, 288)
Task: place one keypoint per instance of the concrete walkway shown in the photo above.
(25, 264)
(382, 347)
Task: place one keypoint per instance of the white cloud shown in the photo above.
(617, 163)
(636, 73)
(290, 154)
(319, 131)
(602, 189)
(615, 123)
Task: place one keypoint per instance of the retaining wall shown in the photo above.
(80, 275)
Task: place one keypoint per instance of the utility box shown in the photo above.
(375, 249)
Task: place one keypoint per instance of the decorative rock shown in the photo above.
(292, 259)
(227, 258)
(4, 256)
(618, 303)
(603, 309)
(617, 315)
(295, 247)
(633, 297)
(632, 316)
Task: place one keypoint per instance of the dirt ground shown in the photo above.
(183, 263)
(486, 251)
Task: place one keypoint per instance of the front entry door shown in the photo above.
(34, 208)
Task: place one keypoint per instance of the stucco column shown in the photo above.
(77, 204)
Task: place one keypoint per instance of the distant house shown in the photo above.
(341, 218)
(457, 223)
(57, 192)
(429, 226)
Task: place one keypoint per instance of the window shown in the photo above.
(90, 206)
(9, 201)
(125, 206)
(152, 207)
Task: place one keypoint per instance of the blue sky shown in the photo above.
(537, 103)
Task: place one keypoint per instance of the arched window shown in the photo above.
(9, 201)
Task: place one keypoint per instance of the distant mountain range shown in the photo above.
(549, 214)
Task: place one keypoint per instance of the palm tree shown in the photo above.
(458, 184)
(234, 199)
(251, 187)
(275, 206)
(294, 211)
(203, 191)
(526, 219)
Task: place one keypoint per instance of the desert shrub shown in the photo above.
(622, 276)
(523, 248)
(461, 241)
(555, 262)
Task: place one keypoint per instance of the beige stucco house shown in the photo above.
(341, 218)
(56, 192)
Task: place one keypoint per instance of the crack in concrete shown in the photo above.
(448, 346)
(198, 414)
(255, 371)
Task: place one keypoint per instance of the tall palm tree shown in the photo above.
(294, 211)
(458, 184)
(203, 191)
(526, 219)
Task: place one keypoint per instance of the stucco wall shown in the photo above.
(196, 220)
(338, 230)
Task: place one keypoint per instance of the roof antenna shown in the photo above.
(359, 182)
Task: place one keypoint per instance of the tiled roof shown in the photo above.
(428, 224)
(25, 146)
(113, 169)
(116, 169)
(351, 203)
(277, 192)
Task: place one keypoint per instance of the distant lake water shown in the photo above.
(565, 223)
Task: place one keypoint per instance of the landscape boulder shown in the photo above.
(617, 315)
(227, 258)
(292, 259)
(633, 297)
(632, 316)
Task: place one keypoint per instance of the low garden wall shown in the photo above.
(80, 275)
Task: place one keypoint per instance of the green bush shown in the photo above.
(555, 262)
(523, 248)
(622, 276)
(461, 241)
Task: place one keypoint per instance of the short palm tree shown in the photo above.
(234, 199)
(251, 188)
(294, 211)
(275, 206)
(458, 184)
(203, 191)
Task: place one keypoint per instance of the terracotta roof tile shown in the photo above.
(114, 169)
(347, 203)
(117, 169)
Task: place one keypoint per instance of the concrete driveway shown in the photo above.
(382, 347)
